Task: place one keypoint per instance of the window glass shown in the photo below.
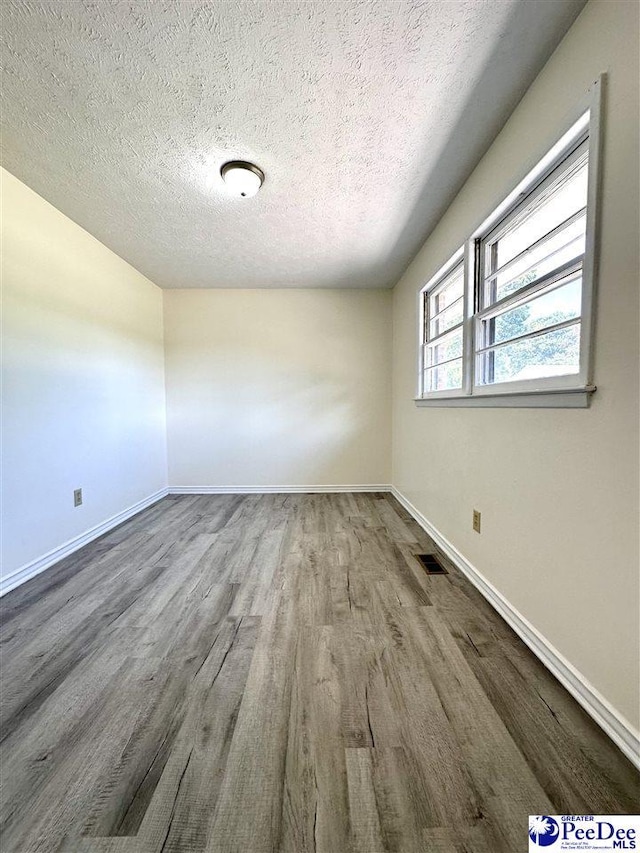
(554, 353)
(445, 377)
(446, 348)
(554, 306)
(547, 233)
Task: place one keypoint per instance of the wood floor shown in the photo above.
(245, 674)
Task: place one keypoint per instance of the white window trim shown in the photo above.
(570, 391)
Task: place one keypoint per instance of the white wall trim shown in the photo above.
(270, 490)
(567, 398)
(30, 570)
(620, 730)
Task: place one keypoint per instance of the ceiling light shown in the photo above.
(242, 179)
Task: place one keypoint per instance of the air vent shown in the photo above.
(431, 564)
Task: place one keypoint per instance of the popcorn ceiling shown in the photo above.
(366, 118)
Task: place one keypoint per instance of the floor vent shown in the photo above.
(431, 564)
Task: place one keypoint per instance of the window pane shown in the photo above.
(543, 216)
(446, 349)
(451, 316)
(555, 306)
(444, 377)
(558, 250)
(449, 292)
(555, 353)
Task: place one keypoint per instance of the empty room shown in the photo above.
(320, 426)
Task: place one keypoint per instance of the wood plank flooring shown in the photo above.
(246, 674)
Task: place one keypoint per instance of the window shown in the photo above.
(443, 321)
(530, 282)
(510, 313)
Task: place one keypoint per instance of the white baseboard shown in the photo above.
(270, 490)
(30, 570)
(620, 730)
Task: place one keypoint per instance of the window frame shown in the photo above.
(567, 390)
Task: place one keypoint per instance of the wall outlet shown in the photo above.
(77, 497)
(476, 521)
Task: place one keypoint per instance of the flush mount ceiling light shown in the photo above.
(242, 179)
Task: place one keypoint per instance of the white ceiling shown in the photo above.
(366, 116)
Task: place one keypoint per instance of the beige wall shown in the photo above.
(278, 387)
(558, 489)
(83, 380)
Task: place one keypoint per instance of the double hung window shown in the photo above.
(443, 332)
(510, 313)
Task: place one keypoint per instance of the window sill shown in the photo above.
(562, 398)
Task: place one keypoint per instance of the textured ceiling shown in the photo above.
(365, 115)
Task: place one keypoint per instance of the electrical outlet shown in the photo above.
(77, 497)
(476, 521)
